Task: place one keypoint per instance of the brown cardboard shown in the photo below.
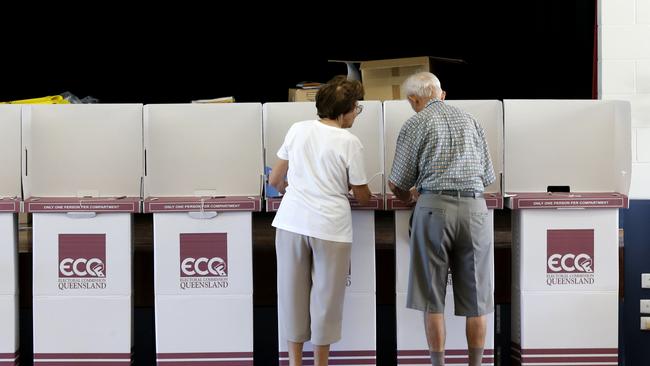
(302, 95)
(382, 79)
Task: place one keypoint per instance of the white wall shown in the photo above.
(624, 74)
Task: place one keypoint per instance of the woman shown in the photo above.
(322, 162)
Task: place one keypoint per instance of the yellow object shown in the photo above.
(54, 99)
(215, 100)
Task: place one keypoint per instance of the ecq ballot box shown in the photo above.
(82, 176)
(358, 342)
(567, 166)
(412, 348)
(203, 181)
(10, 197)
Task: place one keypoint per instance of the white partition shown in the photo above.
(358, 343)
(10, 151)
(565, 244)
(76, 150)
(583, 144)
(197, 149)
(368, 127)
(82, 177)
(9, 206)
(412, 348)
(203, 180)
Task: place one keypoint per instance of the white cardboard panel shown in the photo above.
(362, 261)
(118, 252)
(368, 127)
(584, 144)
(532, 251)
(359, 325)
(9, 319)
(8, 254)
(10, 150)
(489, 113)
(410, 327)
(203, 147)
(82, 149)
(167, 253)
(568, 320)
(192, 323)
(402, 247)
(100, 324)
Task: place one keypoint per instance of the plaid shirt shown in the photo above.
(442, 148)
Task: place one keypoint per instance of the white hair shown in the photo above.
(422, 84)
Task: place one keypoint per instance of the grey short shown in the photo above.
(311, 287)
(451, 232)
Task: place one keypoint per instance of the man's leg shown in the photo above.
(475, 329)
(434, 327)
(472, 267)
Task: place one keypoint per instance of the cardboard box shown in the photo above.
(382, 79)
(105, 333)
(565, 261)
(82, 261)
(302, 95)
(10, 150)
(9, 330)
(8, 288)
(358, 334)
(82, 257)
(359, 309)
(411, 339)
(412, 346)
(200, 327)
(184, 246)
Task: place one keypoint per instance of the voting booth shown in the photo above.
(203, 181)
(358, 342)
(567, 166)
(10, 196)
(82, 177)
(412, 348)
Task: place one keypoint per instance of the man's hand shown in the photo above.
(404, 196)
(414, 194)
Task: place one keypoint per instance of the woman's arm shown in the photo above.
(279, 171)
(361, 193)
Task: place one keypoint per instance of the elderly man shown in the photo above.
(442, 152)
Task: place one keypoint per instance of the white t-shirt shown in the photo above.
(322, 160)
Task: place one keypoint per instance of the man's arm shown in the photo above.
(404, 196)
(404, 172)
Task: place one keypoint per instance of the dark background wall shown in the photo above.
(255, 52)
(180, 52)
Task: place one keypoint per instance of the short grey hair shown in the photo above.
(422, 84)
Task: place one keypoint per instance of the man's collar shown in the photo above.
(434, 100)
